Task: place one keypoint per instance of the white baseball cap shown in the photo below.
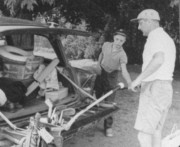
(147, 14)
(3, 98)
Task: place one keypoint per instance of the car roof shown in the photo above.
(9, 21)
(10, 25)
(44, 31)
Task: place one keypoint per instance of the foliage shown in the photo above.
(15, 5)
(102, 16)
(81, 47)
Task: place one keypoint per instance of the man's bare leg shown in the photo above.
(145, 139)
(157, 139)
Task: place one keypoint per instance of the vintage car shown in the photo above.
(24, 47)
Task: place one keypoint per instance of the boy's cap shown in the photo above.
(147, 14)
(120, 32)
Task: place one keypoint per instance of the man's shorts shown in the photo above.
(154, 103)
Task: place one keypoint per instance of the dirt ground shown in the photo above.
(124, 133)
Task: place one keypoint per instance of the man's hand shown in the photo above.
(129, 85)
(134, 85)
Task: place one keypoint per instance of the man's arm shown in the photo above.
(153, 66)
(125, 74)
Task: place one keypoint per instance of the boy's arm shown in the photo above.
(125, 74)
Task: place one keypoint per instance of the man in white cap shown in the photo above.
(155, 79)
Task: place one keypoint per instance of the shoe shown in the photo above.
(109, 132)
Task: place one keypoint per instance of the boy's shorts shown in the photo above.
(154, 103)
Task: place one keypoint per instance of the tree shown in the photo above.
(102, 16)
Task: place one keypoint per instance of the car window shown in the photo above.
(79, 47)
(42, 47)
(23, 41)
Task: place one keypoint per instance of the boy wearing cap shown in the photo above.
(112, 61)
(155, 79)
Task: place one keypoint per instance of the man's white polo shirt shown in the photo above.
(159, 41)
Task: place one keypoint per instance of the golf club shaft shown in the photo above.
(68, 125)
